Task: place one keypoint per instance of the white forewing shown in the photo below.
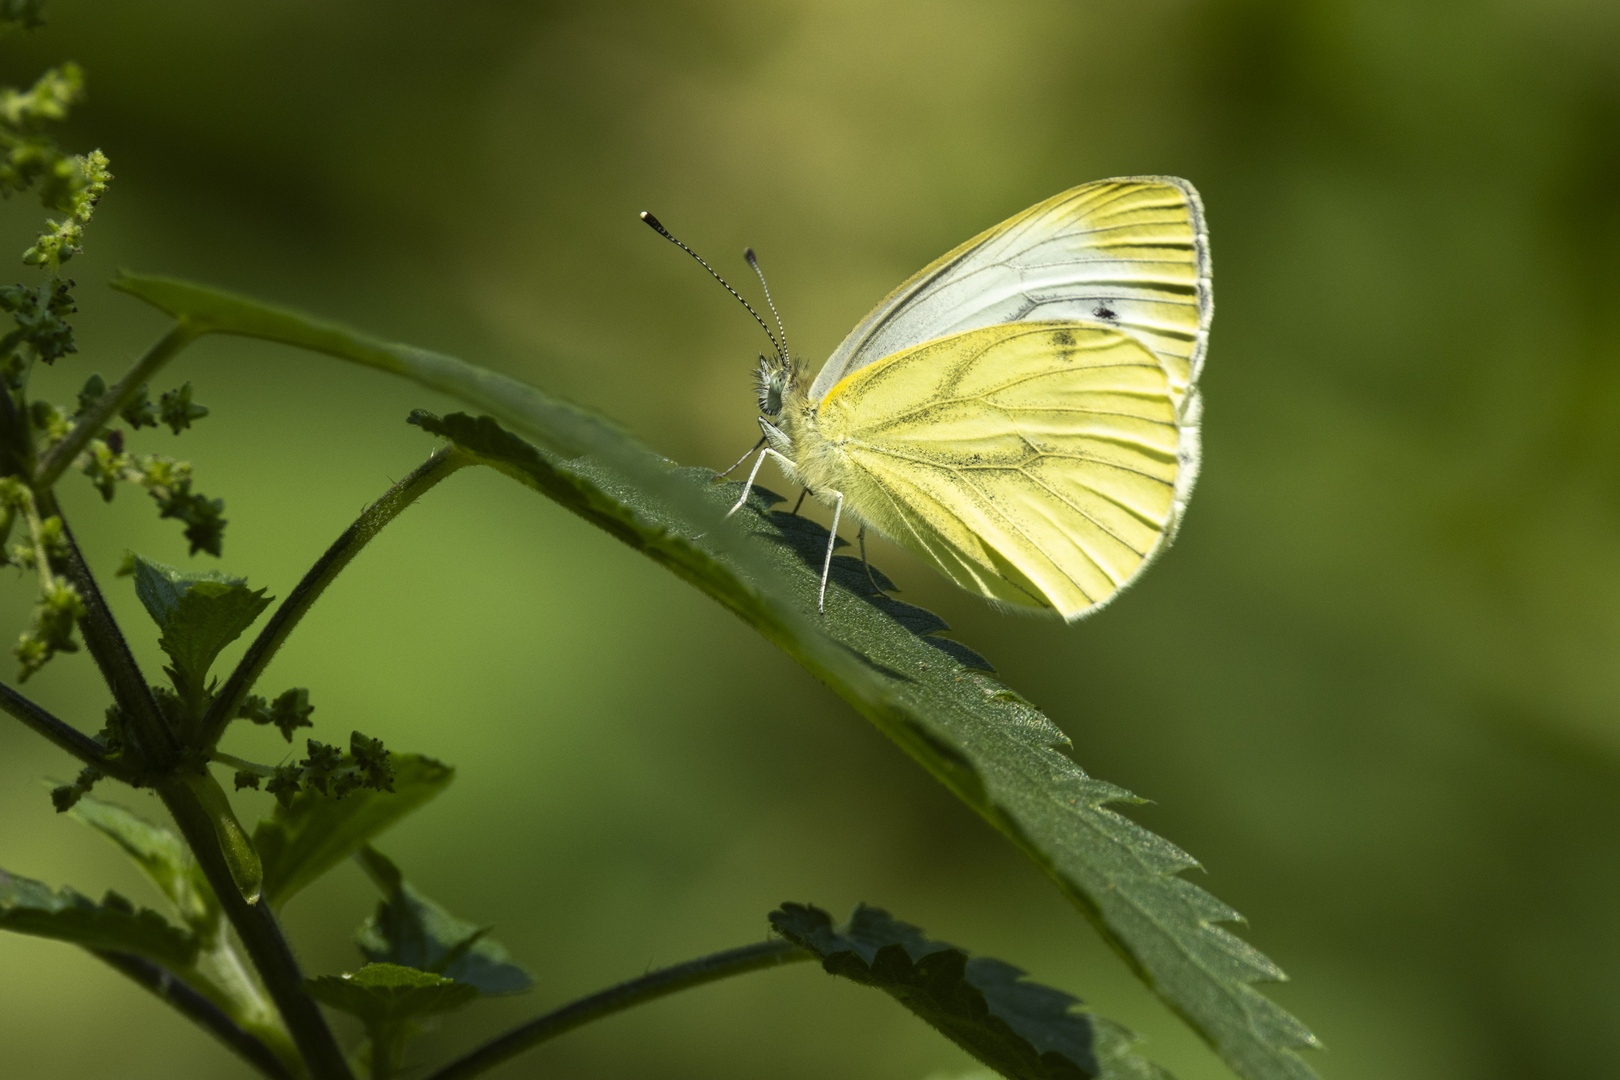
(1130, 253)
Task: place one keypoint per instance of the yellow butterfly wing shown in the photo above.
(1034, 463)
(1130, 252)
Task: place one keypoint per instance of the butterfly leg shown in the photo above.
(739, 461)
(802, 493)
(832, 541)
(748, 487)
(787, 467)
(861, 536)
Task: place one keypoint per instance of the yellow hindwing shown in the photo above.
(1033, 463)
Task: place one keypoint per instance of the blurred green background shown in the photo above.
(1375, 688)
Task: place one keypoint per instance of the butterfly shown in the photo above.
(1023, 412)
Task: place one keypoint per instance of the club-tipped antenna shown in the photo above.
(658, 227)
(753, 260)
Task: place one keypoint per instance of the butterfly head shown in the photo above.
(776, 379)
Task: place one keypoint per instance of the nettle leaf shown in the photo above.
(995, 751)
(412, 930)
(1019, 1028)
(199, 612)
(161, 854)
(386, 994)
(32, 907)
(314, 832)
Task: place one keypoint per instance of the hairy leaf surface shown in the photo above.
(383, 994)
(994, 750)
(115, 925)
(1021, 1029)
(411, 930)
(162, 855)
(305, 839)
(199, 614)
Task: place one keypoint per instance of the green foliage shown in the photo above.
(177, 410)
(199, 613)
(327, 770)
(82, 190)
(989, 746)
(201, 515)
(57, 611)
(411, 930)
(65, 796)
(41, 331)
(387, 994)
(247, 871)
(162, 857)
(116, 925)
(70, 184)
(168, 482)
(31, 157)
(138, 412)
(1021, 1029)
(314, 832)
(58, 606)
(289, 712)
(21, 14)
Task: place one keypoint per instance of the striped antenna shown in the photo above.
(658, 227)
(753, 260)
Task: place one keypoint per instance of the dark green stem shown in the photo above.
(370, 522)
(60, 456)
(768, 954)
(261, 936)
(199, 1009)
(145, 722)
(64, 735)
(255, 925)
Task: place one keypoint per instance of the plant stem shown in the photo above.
(198, 1008)
(60, 456)
(705, 969)
(64, 735)
(241, 764)
(261, 936)
(145, 721)
(444, 461)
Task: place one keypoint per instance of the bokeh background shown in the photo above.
(1375, 687)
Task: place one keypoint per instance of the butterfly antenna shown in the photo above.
(658, 227)
(753, 260)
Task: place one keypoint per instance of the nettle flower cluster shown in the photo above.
(72, 185)
(199, 613)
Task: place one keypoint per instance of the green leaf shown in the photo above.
(385, 994)
(412, 930)
(315, 832)
(1019, 1028)
(31, 907)
(996, 752)
(199, 613)
(162, 855)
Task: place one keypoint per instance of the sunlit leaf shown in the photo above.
(315, 832)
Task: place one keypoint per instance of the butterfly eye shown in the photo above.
(772, 386)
